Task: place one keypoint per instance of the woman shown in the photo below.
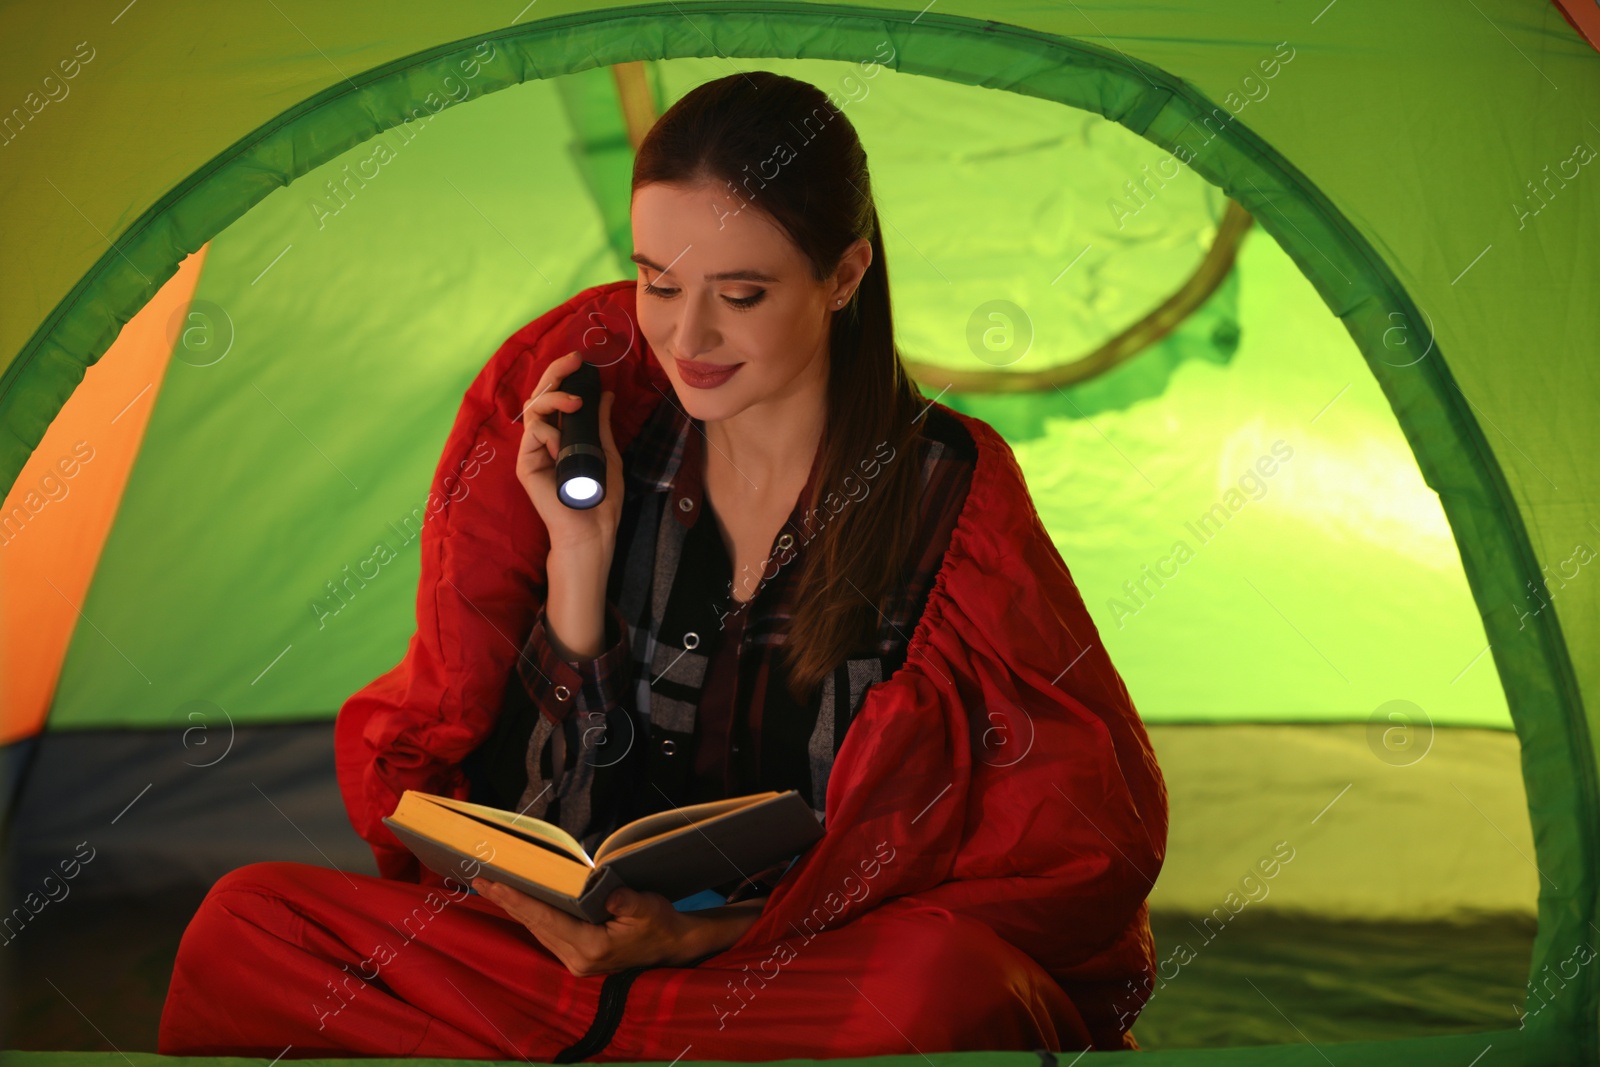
(804, 575)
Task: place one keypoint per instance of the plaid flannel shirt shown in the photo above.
(604, 740)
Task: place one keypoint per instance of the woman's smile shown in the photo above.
(705, 375)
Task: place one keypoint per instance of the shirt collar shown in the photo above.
(675, 465)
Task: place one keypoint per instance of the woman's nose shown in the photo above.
(696, 331)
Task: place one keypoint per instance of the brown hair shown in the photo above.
(732, 130)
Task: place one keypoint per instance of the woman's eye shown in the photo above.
(742, 303)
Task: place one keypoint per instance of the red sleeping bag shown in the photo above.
(995, 817)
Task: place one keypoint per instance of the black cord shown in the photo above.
(607, 1016)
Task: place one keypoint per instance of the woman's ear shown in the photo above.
(851, 269)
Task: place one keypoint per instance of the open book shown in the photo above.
(676, 852)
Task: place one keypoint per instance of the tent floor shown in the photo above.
(96, 981)
(1338, 948)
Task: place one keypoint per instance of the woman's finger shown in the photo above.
(541, 918)
(556, 371)
(536, 407)
(533, 454)
(540, 433)
(541, 437)
(546, 397)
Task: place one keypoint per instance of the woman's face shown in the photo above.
(722, 286)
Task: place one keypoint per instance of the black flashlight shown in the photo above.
(581, 462)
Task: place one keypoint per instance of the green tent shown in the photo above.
(1284, 311)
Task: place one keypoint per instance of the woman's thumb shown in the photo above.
(624, 902)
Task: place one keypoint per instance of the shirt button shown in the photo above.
(785, 541)
(685, 504)
(667, 746)
(562, 692)
(736, 748)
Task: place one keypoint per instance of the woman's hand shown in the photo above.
(580, 532)
(644, 929)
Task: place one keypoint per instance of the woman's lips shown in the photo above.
(705, 376)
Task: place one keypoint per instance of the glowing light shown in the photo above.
(581, 489)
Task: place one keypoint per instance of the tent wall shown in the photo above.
(264, 553)
(62, 507)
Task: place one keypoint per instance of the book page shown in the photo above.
(524, 824)
(464, 835)
(665, 822)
